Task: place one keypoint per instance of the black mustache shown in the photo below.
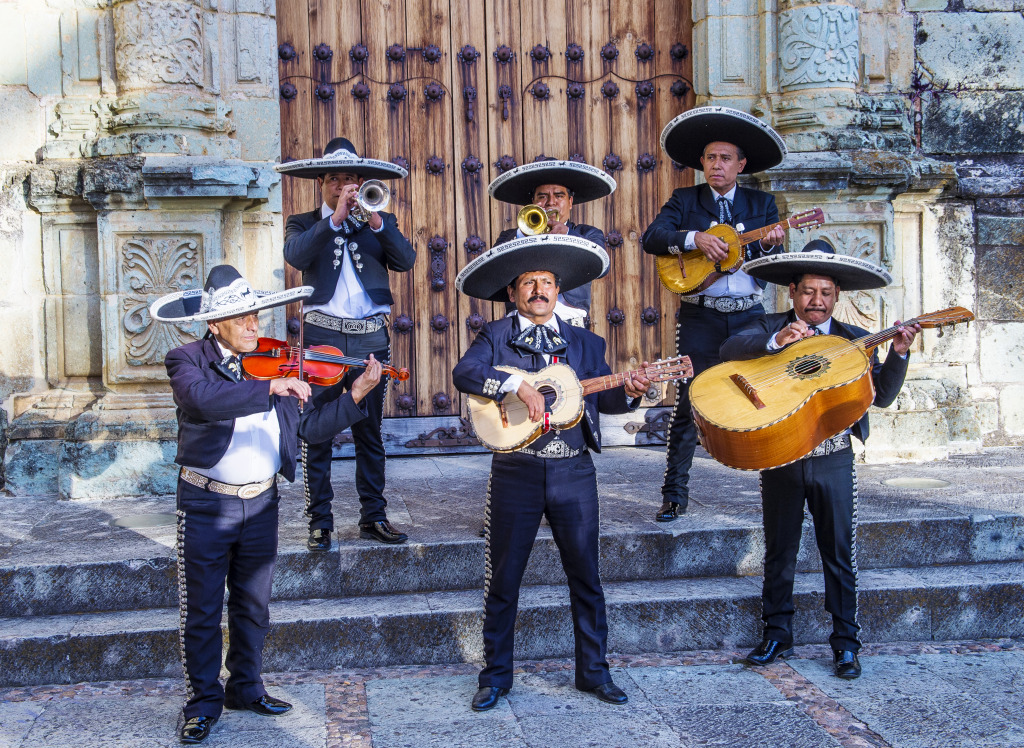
(537, 297)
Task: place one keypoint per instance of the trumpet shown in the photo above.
(533, 219)
(373, 196)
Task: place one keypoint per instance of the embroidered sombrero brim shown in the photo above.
(685, 137)
(517, 185)
(342, 162)
(573, 259)
(188, 306)
(852, 273)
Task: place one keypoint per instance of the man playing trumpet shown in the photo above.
(549, 188)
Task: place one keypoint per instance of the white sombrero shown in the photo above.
(226, 294)
(685, 137)
(573, 259)
(340, 157)
(819, 258)
(586, 182)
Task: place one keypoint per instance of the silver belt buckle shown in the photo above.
(250, 490)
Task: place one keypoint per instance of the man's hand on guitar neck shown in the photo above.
(902, 342)
(532, 399)
(638, 383)
(774, 237)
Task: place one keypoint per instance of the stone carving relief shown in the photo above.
(149, 268)
(818, 44)
(158, 42)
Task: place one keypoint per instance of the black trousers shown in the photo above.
(828, 485)
(523, 489)
(699, 335)
(224, 539)
(366, 435)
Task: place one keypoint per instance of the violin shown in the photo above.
(320, 364)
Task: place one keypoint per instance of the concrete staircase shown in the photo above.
(83, 601)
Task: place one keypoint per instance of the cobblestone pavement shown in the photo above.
(912, 695)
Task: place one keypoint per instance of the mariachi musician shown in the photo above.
(723, 143)
(345, 252)
(234, 437)
(825, 479)
(551, 477)
(555, 186)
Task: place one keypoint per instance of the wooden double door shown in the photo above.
(457, 91)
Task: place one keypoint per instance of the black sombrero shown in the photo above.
(819, 258)
(340, 156)
(586, 182)
(226, 294)
(685, 138)
(573, 259)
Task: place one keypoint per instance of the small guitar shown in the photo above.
(771, 411)
(506, 426)
(690, 270)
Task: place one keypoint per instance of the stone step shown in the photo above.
(79, 585)
(896, 604)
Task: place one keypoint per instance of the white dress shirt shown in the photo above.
(350, 300)
(738, 284)
(512, 383)
(254, 452)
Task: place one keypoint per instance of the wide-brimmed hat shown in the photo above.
(586, 182)
(573, 259)
(685, 137)
(819, 258)
(225, 294)
(340, 156)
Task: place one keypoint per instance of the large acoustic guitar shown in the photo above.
(691, 271)
(506, 426)
(774, 410)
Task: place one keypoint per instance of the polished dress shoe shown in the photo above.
(669, 511)
(487, 697)
(319, 540)
(196, 729)
(846, 664)
(767, 652)
(382, 531)
(609, 693)
(266, 705)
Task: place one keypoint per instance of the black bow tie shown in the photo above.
(540, 339)
(231, 366)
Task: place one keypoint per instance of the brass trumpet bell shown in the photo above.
(373, 196)
(533, 219)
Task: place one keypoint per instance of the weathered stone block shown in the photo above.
(1002, 352)
(989, 6)
(1011, 409)
(1001, 283)
(973, 50)
(1000, 230)
(31, 467)
(975, 123)
(258, 118)
(924, 5)
(914, 435)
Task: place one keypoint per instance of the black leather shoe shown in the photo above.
(266, 705)
(610, 693)
(767, 652)
(382, 531)
(669, 511)
(846, 664)
(319, 540)
(196, 729)
(487, 698)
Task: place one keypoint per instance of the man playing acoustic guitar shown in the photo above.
(554, 475)
(825, 479)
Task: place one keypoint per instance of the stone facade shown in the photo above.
(140, 135)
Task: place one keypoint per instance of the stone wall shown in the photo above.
(140, 136)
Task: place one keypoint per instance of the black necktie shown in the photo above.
(539, 339)
(724, 211)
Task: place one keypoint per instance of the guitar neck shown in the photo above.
(610, 381)
(756, 234)
(951, 316)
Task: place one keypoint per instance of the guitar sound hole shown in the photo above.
(807, 367)
(550, 396)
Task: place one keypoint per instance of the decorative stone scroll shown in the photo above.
(819, 45)
(158, 42)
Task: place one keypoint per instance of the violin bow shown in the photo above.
(302, 346)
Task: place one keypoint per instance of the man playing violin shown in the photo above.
(825, 479)
(723, 143)
(346, 257)
(234, 437)
(554, 475)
